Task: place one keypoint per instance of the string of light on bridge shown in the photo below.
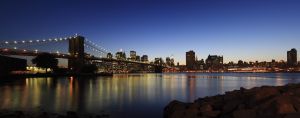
(19, 45)
(35, 41)
(95, 50)
(90, 43)
(24, 45)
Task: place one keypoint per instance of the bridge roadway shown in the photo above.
(17, 52)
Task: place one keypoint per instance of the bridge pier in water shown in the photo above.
(76, 50)
(158, 69)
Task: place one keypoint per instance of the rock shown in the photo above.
(211, 113)
(206, 108)
(284, 105)
(292, 115)
(179, 107)
(265, 92)
(258, 102)
(245, 113)
(71, 114)
(231, 105)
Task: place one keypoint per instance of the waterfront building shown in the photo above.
(158, 61)
(172, 62)
(137, 58)
(109, 56)
(121, 55)
(292, 57)
(214, 62)
(144, 58)
(168, 61)
(133, 55)
(200, 64)
(190, 60)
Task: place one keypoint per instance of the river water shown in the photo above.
(126, 95)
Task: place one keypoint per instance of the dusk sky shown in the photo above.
(237, 29)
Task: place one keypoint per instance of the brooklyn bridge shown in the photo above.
(77, 50)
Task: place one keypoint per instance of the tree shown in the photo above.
(45, 60)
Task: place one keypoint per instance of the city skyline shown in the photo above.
(247, 30)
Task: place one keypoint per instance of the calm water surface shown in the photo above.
(126, 95)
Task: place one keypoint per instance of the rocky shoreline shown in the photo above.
(69, 114)
(257, 102)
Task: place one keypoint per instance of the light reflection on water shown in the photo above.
(127, 95)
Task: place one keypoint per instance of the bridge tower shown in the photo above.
(76, 50)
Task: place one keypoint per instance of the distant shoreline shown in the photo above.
(107, 74)
(57, 75)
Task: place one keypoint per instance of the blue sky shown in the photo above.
(237, 29)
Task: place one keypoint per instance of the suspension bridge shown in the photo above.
(76, 49)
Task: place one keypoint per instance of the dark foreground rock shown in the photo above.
(258, 102)
(69, 114)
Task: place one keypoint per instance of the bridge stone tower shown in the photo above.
(76, 50)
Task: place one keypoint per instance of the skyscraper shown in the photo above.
(109, 56)
(133, 55)
(144, 58)
(168, 61)
(121, 55)
(190, 60)
(292, 57)
(214, 62)
(137, 58)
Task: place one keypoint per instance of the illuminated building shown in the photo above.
(214, 62)
(292, 57)
(172, 62)
(144, 58)
(109, 55)
(190, 60)
(168, 61)
(158, 61)
(138, 58)
(200, 64)
(121, 55)
(133, 55)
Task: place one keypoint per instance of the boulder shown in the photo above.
(245, 113)
(258, 102)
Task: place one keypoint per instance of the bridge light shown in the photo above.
(37, 40)
(30, 41)
(50, 39)
(6, 42)
(15, 42)
(23, 41)
(44, 40)
(15, 48)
